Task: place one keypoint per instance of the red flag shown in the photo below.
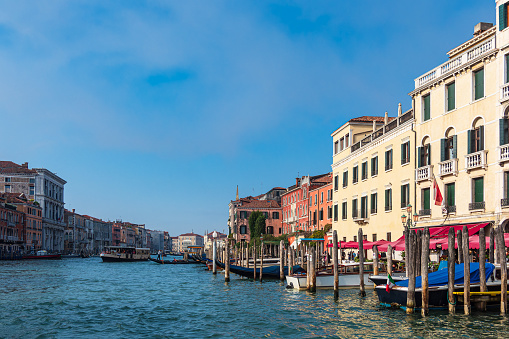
(436, 194)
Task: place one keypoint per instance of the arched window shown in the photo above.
(476, 136)
(504, 128)
(424, 153)
(448, 145)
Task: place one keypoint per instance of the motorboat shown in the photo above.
(124, 254)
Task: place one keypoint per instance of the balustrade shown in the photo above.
(448, 167)
(503, 153)
(423, 173)
(476, 160)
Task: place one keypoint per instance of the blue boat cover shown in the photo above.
(441, 277)
(443, 264)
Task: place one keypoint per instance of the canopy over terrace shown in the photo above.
(367, 245)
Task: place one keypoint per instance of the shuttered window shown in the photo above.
(388, 160)
(448, 148)
(344, 212)
(426, 111)
(502, 16)
(405, 153)
(504, 131)
(478, 187)
(336, 183)
(364, 207)
(426, 199)
(479, 84)
(451, 96)
(374, 166)
(475, 139)
(450, 197)
(374, 203)
(355, 174)
(345, 178)
(388, 199)
(364, 170)
(335, 212)
(355, 213)
(405, 195)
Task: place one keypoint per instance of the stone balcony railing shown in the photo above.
(503, 153)
(504, 92)
(423, 173)
(456, 63)
(448, 167)
(476, 160)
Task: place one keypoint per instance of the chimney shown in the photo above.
(386, 118)
(482, 27)
(399, 110)
(73, 210)
(25, 165)
(374, 126)
(297, 181)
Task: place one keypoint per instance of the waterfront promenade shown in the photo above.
(86, 298)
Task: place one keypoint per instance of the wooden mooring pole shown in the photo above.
(312, 282)
(451, 268)
(292, 260)
(281, 262)
(375, 260)
(389, 259)
(492, 245)
(424, 272)
(482, 266)
(262, 252)
(254, 260)
(503, 270)
(466, 269)
(411, 252)
(418, 255)
(407, 246)
(227, 261)
(214, 257)
(362, 291)
(247, 255)
(335, 263)
(459, 238)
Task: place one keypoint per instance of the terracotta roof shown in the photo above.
(370, 119)
(190, 235)
(16, 198)
(219, 235)
(8, 167)
(261, 204)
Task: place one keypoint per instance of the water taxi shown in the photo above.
(118, 253)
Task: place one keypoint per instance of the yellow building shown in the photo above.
(373, 176)
(461, 111)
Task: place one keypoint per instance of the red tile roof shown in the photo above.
(370, 119)
(8, 167)
(219, 235)
(260, 204)
(190, 235)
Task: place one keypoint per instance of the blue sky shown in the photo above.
(154, 111)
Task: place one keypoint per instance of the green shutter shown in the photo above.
(481, 138)
(502, 17)
(426, 107)
(504, 135)
(450, 194)
(479, 189)
(454, 147)
(403, 189)
(419, 156)
(402, 153)
(506, 175)
(429, 154)
(442, 149)
(451, 100)
(469, 141)
(506, 80)
(426, 198)
(479, 84)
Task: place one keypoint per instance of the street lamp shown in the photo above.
(406, 220)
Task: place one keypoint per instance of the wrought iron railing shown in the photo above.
(476, 205)
(425, 212)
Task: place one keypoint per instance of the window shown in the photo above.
(314, 217)
(425, 200)
(374, 237)
(321, 214)
(478, 190)
(374, 199)
(364, 170)
(336, 180)
(502, 16)
(321, 197)
(7, 179)
(335, 212)
(355, 174)
(355, 238)
(336, 147)
(506, 68)
(32, 190)
(364, 207)
(344, 212)
(355, 212)
(341, 144)
(426, 109)
(374, 166)
(345, 179)
(504, 131)
(329, 212)
(243, 229)
(405, 195)
(388, 160)
(479, 84)
(450, 90)
(7, 188)
(448, 148)
(405, 153)
(347, 138)
(476, 139)
(388, 199)
(424, 154)
(32, 181)
(275, 215)
(450, 199)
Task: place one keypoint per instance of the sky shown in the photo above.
(154, 111)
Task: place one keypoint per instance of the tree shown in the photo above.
(260, 225)
(252, 223)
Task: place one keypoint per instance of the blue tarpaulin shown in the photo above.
(441, 277)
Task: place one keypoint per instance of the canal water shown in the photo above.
(85, 298)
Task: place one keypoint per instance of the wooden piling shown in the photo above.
(375, 260)
(312, 282)
(362, 291)
(451, 267)
(292, 260)
(214, 257)
(227, 261)
(262, 252)
(335, 263)
(254, 260)
(459, 237)
(411, 253)
(424, 272)
(247, 255)
(407, 246)
(503, 270)
(492, 245)
(466, 269)
(301, 251)
(482, 265)
(389, 259)
(281, 262)
(418, 249)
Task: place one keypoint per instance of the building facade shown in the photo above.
(189, 239)
(12, 230)
(320, 206)
(32, 233)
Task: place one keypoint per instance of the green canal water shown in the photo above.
(85, 298)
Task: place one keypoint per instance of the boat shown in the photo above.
(269, 272)
(124, 254)
(437, 287)
(381, 279)
(174, 261)
(42, 254)
(348, 278)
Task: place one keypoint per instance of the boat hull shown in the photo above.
(121, 259)
(174, 262)
(43, 257)
(268, 272)
(299, 281)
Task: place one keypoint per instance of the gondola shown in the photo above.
(174, 262)
(269, 272)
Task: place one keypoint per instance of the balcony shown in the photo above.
(425, 213)
(504, 202)
(503, 153)
(448, 209)
(504, 92)
(476, 206)
(423, 173)
(448, 167)
(360, 216)
(476, 160)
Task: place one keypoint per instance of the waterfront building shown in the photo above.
(373, 175)
(156, 241)
(12, 229)
(189, 239)
(47, 189)
(296, 203)
(174, 244)
(33, 219)
(76, 235)
(209, 240)
(320, 205)
(462, 114)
